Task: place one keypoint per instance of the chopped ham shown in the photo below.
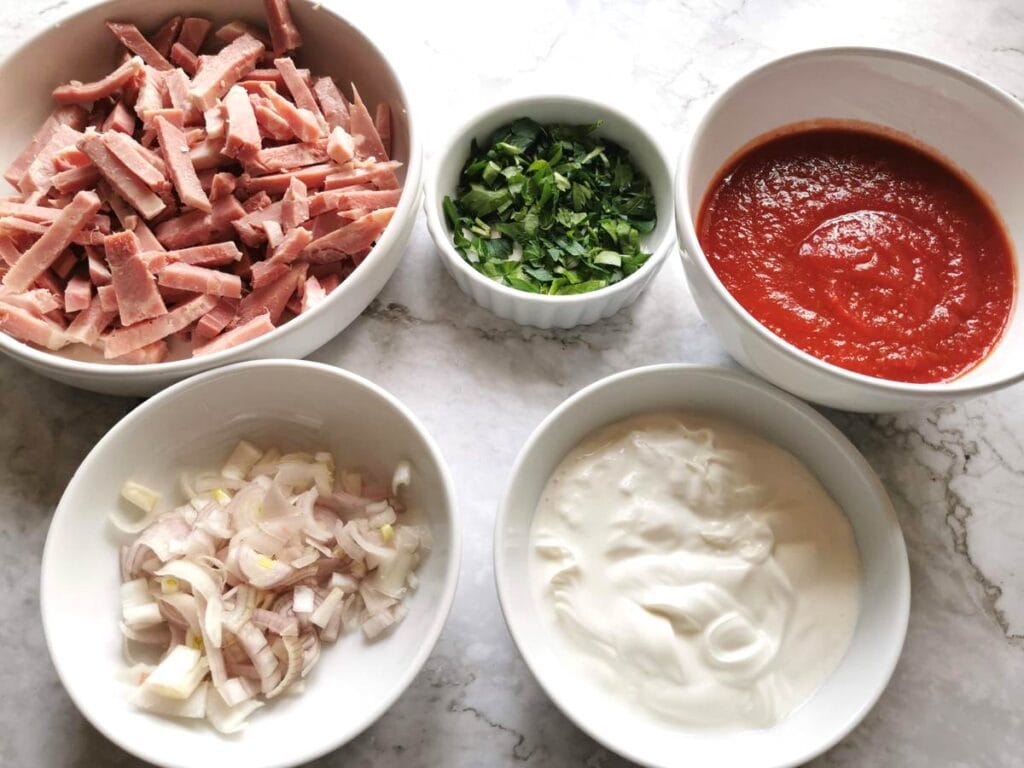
(291, 246)
(235, 29)
(99, 274)
(271, 124)
(383, 124)
(133, 337)
(299, 89)
(266, 272)
(257, 202)
(75, 179)
(84, 93)
(208, 154)
(313, 176)
(25, 326)
(135, 158)
(77, 294)
(270, 298)
(62, 266)
(132, 39)
(120, 119)
(124, 182)
(363, 130)
(224, 70)
(108, 298)
(250, 226)
(294, 206)
(151, 353)
(164, 37)
(52, 243)
(175, 152)
(283, 32)
(361, 174)
(184, 58)
(214, 121)
(217, 319)
(340, 146)
(39, 301)
(193, 33)
(189, 277)
(211, 255)
(369, 200)
(302, 122)
(290, 156)
(256, 327)
(39, 175)
(90, 323)
(24, 232)
(312, 294)
(137, 296)
(222, 184)
(333, 105)
(350, 239)
(71, 116)
(198, 227)
(243, 133)
(177, 90)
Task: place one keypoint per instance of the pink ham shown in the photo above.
(84, 93)
(211, 255)
(198, 227)
(274, 76)
(25, 326)
(164, 37)
(90, 323)
(243, 133)
(184, 58)
(130, 338)
(270, 298)
(235, 29)
(53, 242)
(39, 301)
(341, 146)
(299, 89)
(288, 251)
(350, 239)
(76, 179)
(267, 272)
(208, 154)
(132, 39)
(250, 226)
(363, 130)
(39, 175)
(224, 70)
(294, 206)
(135, 158)
(124, 182)
(26, 232)
(222, 185)
(151, 353)
(256, 327)
(257, 202)
(193, 33)
(120, 119)
(177, 83)
(283, 32)
(62, 267)
(216, 320)
(291, 156)
(107, 298)
(77, 294)
(99, 274)
(369, 200)
(189, 277)
(302, 122)
(361, 174)
(71, 116)
(175, 153)
(333, 105)
(137, 296)
(312, 294)
(313, 176)
(271, 124)
(383, 124)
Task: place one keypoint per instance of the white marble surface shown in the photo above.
(481, 385)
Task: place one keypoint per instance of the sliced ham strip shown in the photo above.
(214, 121)
(132, 39)
(302, 122)
(291, 156)
(294, 206)
(289, 249)
(193, 33)
(175, 151)
(99, 274)
(164, 37)
(130, 338)
(299, 89)
(271, 124)
(151, 353)
(120, 119)
(26, 232)
(137, 296)
(283, 32)
(361, 174)
(235, 29)
(208, 154)
(256, 327)
(71, 116)
(363, 130)
(125, 213)
(135, 158)
(266, 272)
(270, 298)
(90, 323)
(189, 277)
(250, 226)
(225, 69)
(77, 294)
(243, 133)
(9, 255)
(333, 105)
(85, 93)
(25, 326)
(274, 76)
(39, 302)
(147, 240)
(76, 179)
(383, 124)
(53, 242)
(62, 267)
(313, 176)
(107, 298)
(49, 215)
(184, 58)
(350, 239)
(369, 200)
(124, 182)
(257, 202)
(312, 294)
(39, 175)
(177, 90)
(198, 227)
(211, 255)
(341, 146)
(222, 184)
(216, 320)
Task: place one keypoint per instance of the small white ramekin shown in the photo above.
(536, 309)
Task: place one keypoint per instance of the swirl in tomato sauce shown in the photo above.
(863, 251)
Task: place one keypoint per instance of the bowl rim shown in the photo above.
(166, 398)
(688, 240)
(408, 205)
(811, 419)
(442, 238)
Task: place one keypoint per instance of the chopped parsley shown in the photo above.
(551, 209)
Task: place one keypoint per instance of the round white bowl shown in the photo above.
(851, 690)
(297, 405)
(536, 309)
(80, 47)
(974, 125)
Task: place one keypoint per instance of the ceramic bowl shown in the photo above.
(974, 125)
(854, 686)
(194, 425)
(80, 47)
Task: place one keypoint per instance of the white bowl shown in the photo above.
(973, 124)
(194, 424)
(851, 690)
(80, 47)
(536, 309)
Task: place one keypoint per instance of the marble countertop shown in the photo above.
(482, 384)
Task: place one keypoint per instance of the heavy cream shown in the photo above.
(695, 571)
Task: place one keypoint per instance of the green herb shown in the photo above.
(551, 209)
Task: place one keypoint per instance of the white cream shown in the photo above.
(694, 570)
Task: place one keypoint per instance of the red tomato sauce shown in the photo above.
(863, 251)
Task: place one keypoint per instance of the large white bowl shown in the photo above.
(80, 47)
(297, 405)
(535, 309)
(976, 126)
(852, 689)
